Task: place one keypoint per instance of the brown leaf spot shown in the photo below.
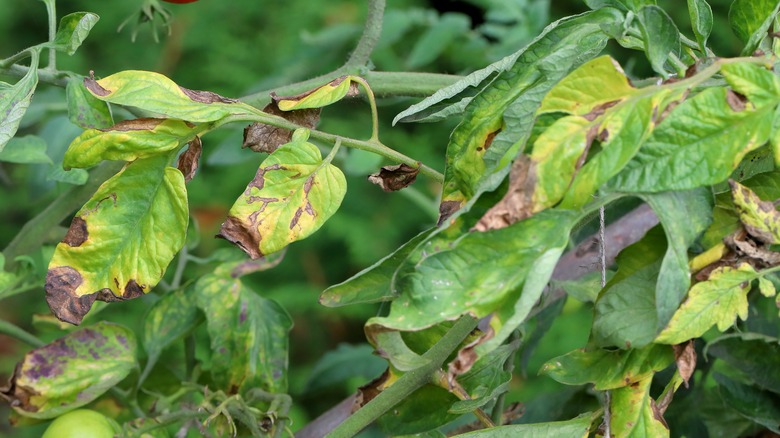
(749, 250)
(77, 233)
(246, 238)
(296, 217)
(393, 178)
(61, 285)
(489, 140)
(517, 202)
(92, 85)
(206, 96)
(467, 355)
(658, 414)
(446, 209)
(266, 138)
(685, 357)
(142, 124)
(188, 161)
(736, 101)
(600, 109)
(367, 392)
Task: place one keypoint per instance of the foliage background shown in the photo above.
(238, 47)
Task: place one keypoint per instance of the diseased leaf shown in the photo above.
(266, 138)
(14, 100)
(72, 371)
(293, 193)
(756, 357)
(155, 92)
(576, 427)
(665, 161)
(127, 141)
(660, 37)
(634, 413)
(394, 178)
(248, 336)
(498, 121)
(190, 159)
(486, 379)
(759, 85)
(760, 218)
(766, 287)
(750, 21)
(73, 30)
(169, 319)
(761, 407)
(324, 95)
(374, 283)
(608, 369)
(29, 149)
(701, 21)
(719, 300)
(120, 243)
(84, 109)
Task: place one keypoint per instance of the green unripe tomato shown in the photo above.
(82, 423)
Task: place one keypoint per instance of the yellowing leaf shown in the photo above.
(154, 92)
(325, 95)
(293, 193)
(719, 300)
(127, 141)
(634, 413)
(760, 218)
(120, 243)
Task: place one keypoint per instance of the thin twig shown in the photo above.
(603, 265)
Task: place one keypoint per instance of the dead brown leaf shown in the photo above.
(394, 178)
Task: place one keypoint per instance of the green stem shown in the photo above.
(51, 10)
(166, 419)
(441, 380)
(58, 78)
(181, 263)
(409, 382)
(374, 112)
(37, 230)
(20, 334)
(371, 33)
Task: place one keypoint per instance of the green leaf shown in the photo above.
(660, 37)
(437, 38)
(29, 149)
(73, 30)
(120, 243)
(576, 427)
(324, 95)
(487, 379)
(342, 364)
(73, 176)
(634, 413)
(14, 100)
(154, 92)
(608, 369)
(684, 216)
(750, 21)
(766, 287)
(625, 5)
(72, 371)
(665, 161)
(718, 300)
(248, 336)
(127, 141)
(169, 319)
(774, 138)
(498, 121)
(701, 21)
(585, 289)
(756, 357)
(293, 193)
(84, 109)
(758, 84)
(373, 284)
(758, 406)
(423, 410)
(760, 218)
(7, 279)
(481, 273)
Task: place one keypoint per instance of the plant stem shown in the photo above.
(51, 10)
(374, 113)
(409, 382)
(371, 33)
(20, 334)
(441, 380)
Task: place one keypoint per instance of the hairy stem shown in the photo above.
(409, 382)
(371, 33)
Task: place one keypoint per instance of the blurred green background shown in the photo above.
(237, 47)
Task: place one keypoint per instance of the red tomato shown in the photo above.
(179, 1)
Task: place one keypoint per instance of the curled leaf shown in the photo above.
(189, 159)
(394, 178)
(266, 138)
(332, 92)
(760, 218)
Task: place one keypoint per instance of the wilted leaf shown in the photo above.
(293, 193)
(155, 92)
(660, 36)
(719, 300)
(248, 336)
(634, 412)
(516, 204)
(14, 100)
(394, 178)
(701, 21)
(189, 159)
(127, 141)
(73, 30)
(169, 319)
(760, 218)
(29, 149)
(608, 369)
(685, 358)
(486, 379)
(750, 21)
(266, 138)
(324, 95)
(71, 371)
(120, 243)
(574, 428)
(84, 109)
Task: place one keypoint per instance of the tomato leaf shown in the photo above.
(84, 109)
(576, 427)
(72, 371)
(760, 218)
(750, 21)
(324, 95)
(29, 149)
(634, 412)
(169, 319)
(660, 37)
(73, 30)
(14, 100)
(701, 21)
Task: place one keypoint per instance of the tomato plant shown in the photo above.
(574, 188)
(82, 423)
